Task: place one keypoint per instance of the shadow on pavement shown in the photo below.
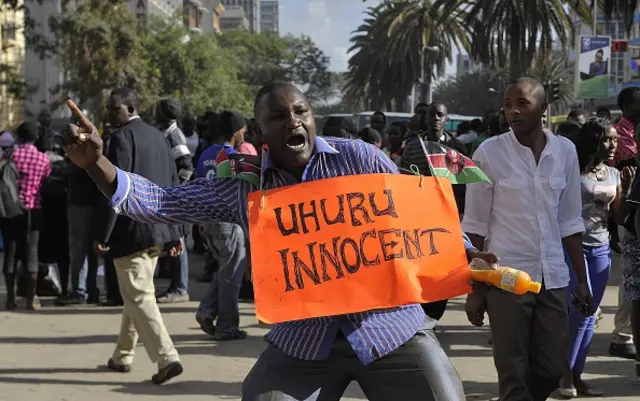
(174, 388)
(196, 339)
(250, 347)
(189, 387)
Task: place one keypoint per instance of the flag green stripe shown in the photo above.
(468, 175)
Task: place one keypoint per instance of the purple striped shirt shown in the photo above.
(371, 334)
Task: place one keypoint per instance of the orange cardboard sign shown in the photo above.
(355, 243)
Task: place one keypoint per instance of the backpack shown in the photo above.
(10, 205)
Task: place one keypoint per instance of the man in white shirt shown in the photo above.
(532, 208)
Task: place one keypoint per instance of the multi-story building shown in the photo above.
(202, 16)
(166, 9)
(212, 23)
(269, 16)
(194, 14)
(11, 58)
(465, 65)
(251, 9)
(234, 17)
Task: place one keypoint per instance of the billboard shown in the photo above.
(592, 77)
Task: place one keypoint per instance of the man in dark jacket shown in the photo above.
(140, 148)
(168, 112)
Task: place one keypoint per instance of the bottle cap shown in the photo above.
(535, 287)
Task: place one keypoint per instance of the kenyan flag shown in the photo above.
(239, 166)
(449, 163)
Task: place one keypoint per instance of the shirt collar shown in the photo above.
(321, 146)
(548, 147)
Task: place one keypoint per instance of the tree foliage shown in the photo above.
(396, 40)
(266, 57)
(506, 33)
(476, 92)
(98, 47)
(197, 71)
(101, 45)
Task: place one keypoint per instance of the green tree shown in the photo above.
(260, 57)
(306, 65)
(330, 94)
(266, 57)
(508, 33)
(471, 94)
(194, 69)
(554, 69)
(99, 48)
(478, 91)
(376, 81)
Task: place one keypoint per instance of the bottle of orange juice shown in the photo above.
(506, 278)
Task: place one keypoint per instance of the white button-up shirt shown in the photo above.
(527, 209)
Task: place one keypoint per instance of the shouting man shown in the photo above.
(392, 353)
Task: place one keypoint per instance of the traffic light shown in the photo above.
(620, 46)
(555, 92)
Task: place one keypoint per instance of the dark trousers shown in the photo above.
(435, 310)
(111, 280)
(417, 371)
(529, 342)
(21, 236)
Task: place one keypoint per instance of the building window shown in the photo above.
(465, 65)
(9, 31)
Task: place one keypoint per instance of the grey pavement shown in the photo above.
(59, 354)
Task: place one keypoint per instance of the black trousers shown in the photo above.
(111, 281)
(417, 371)
(435, 310)
(21, 236)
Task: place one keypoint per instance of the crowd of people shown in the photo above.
(132, 194)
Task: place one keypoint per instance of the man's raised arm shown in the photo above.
(138, 198)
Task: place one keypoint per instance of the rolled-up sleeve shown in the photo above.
(570, 207)
(478, 200)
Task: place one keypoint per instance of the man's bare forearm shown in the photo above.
(573, 246)
(103, 173)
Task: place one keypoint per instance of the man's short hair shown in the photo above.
(129, 97)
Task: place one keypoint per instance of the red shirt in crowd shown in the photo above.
(34, 168)
(627, 147)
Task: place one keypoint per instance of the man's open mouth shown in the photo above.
(296, 141)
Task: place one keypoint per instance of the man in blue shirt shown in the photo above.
(392, 353)
(226, 243)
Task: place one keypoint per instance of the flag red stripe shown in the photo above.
(440, 161)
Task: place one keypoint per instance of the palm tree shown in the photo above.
(506, 32)
(624, 9)
(389, 49)
(421, 31)
(551, 68)
(374, 79)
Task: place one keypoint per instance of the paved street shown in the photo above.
(59, 354)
